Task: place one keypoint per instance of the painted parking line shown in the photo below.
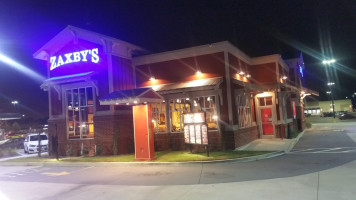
(324, 150)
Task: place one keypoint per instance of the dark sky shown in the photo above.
(319, 29)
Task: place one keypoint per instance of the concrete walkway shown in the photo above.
(273, 144)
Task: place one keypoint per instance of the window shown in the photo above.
(178, 107)
(80, 107)
(243, 104)
(159, 117)
(207, 105)
(265, 101)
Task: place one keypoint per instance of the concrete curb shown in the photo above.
(295, 141)
(113, 164)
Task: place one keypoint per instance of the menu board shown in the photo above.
(195, 129)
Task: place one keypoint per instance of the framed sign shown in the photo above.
(195, 128)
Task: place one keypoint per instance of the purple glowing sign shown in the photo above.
(78, 56)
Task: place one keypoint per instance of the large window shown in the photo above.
(159, 117)
(80, 107)
(243, 104)
(178, 107)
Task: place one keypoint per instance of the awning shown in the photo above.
(131, 97)
(10, 116)
(200, 84)
(248, 86)
(66, 79)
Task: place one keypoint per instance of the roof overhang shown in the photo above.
(66, 79)
(195, 85)
(9, 116)
(132, 97)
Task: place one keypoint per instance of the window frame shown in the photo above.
(80, 107)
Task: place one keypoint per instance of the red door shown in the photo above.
(267, 125)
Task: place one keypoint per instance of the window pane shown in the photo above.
(262, 101)
(82, 97)
(268, 101)
(69, 98)
(89, 96)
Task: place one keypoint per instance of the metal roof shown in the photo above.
(131, 97)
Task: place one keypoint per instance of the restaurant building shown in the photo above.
(244, 98)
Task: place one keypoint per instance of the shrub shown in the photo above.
(294, 133)
(85, 151)
(308, 124)
(99, 150)
(69, 150)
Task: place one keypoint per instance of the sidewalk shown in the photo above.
(273, 144)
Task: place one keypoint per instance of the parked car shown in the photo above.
(346, 116)
(13, 143)
(31, 143)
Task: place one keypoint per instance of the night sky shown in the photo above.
(318, 29)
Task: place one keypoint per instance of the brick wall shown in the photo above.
(104, 129)
(245, 136)
(175, 142)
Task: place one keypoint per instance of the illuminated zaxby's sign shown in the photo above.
(90, 55)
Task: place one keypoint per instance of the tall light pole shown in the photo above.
(330, 84)
(14, 103)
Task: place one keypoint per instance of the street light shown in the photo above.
(332, 98)
(328, 62)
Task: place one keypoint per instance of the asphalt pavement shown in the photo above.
(320, 166)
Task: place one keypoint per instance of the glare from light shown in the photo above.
(328, 62)
(241, 73)
(14, 102)
(331, 83)
(152, 78)
(198, 73)
(135, 102)
(284, 77)
(328, 92)
(248, 76)
(21, 68)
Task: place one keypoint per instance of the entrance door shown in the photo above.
(266, 118)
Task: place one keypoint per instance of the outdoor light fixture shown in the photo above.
(135, 102)
(198, 73)
(117, 103)
(248, 76)
(152, 78)
(302, 92)
(284, 77)
(328, 92)
(127, 104)
(241, 73)
(187, 99)
(14, 102)
(327, 62)
(331, 83)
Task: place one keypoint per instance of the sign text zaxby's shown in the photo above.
(79, 56)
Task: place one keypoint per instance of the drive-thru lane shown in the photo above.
(332, 151)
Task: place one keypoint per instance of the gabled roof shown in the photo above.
(71, 33)
(200, 84)
(131, 96)
(10, 116)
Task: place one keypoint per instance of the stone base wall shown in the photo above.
(175, 142)
(245, 136)
(106, 129)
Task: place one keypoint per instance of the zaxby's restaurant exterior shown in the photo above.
(243, 98)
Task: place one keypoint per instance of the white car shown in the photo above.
(31, 143)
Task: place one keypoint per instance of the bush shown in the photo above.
(308, 124)
(69, 150)
(99, 150)
(85, 151)
(294, 133)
